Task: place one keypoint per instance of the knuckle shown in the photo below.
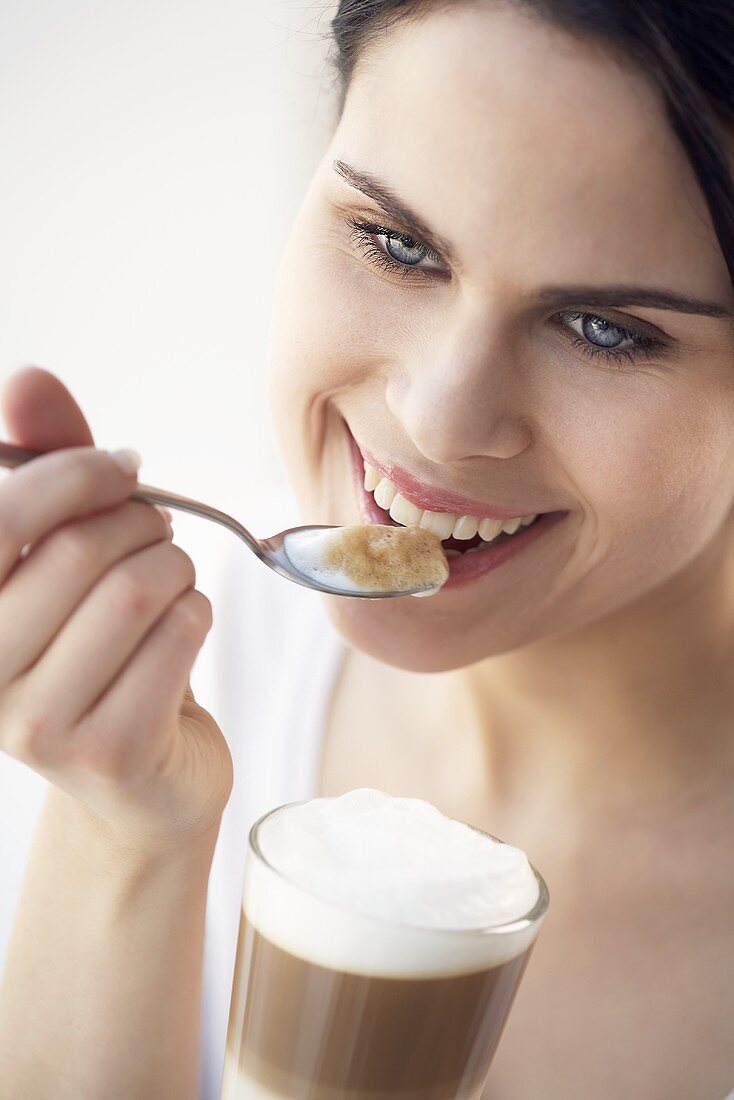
(34, 739)
(185, 569)
(205, 612)
(148, 518)
(132, 595)
(139, 584)
(191, 615)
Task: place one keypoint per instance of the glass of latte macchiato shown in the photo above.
(380, 947)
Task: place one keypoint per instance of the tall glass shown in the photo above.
(329, 1004)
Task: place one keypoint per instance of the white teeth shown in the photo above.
(402, 511)
(489, 529)
(441, 523)
(371, 477)
(385, 492)
(465, 527)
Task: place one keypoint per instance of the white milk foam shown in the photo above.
(305, 551)
(380, 885)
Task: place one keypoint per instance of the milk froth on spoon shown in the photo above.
(372, 557)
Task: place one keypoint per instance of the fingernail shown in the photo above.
(128, 460)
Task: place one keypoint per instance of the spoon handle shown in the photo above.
(12, 456)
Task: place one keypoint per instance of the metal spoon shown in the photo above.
(273, 551)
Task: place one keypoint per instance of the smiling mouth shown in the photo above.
(400, 501)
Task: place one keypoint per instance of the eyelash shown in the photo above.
(643, 345)
(363, 234)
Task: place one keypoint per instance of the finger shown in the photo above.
(57, 487)
(49, 584)
(156, 678)
(41, 414)
(107, 628)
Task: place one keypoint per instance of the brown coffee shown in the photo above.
(309, 1031)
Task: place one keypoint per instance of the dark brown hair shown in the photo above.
(686, 47)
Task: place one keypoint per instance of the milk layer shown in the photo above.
(238, 1086)
(391, 887)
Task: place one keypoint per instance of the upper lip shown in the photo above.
(432, 499)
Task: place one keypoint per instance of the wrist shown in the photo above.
(105, 958)
(91, 839)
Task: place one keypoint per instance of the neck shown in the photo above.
(630, 716)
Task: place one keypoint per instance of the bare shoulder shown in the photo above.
(630, 989)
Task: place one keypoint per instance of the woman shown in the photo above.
(509, 294)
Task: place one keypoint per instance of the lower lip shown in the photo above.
(465, 567)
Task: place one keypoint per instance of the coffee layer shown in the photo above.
(300, 1030)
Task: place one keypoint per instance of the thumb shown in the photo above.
(41, 414)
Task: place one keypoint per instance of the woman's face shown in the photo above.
(505, 341)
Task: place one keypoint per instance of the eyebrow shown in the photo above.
(608, 297)
(386, 198)
(621, 296)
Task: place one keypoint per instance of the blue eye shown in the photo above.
(391, 250)
(403, 249)
(601, 333)
(596, 336)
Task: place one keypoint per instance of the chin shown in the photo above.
(401, 633)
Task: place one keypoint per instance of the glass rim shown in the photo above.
(518, 924)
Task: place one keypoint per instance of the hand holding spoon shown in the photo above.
(299, 554)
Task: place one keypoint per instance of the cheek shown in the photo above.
(652, 459)
(325, 327)
(335, 331)
(335, 320)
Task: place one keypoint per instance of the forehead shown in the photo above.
(530, 148)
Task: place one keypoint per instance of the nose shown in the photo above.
(462, 396)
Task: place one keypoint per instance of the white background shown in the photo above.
(153, 154)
